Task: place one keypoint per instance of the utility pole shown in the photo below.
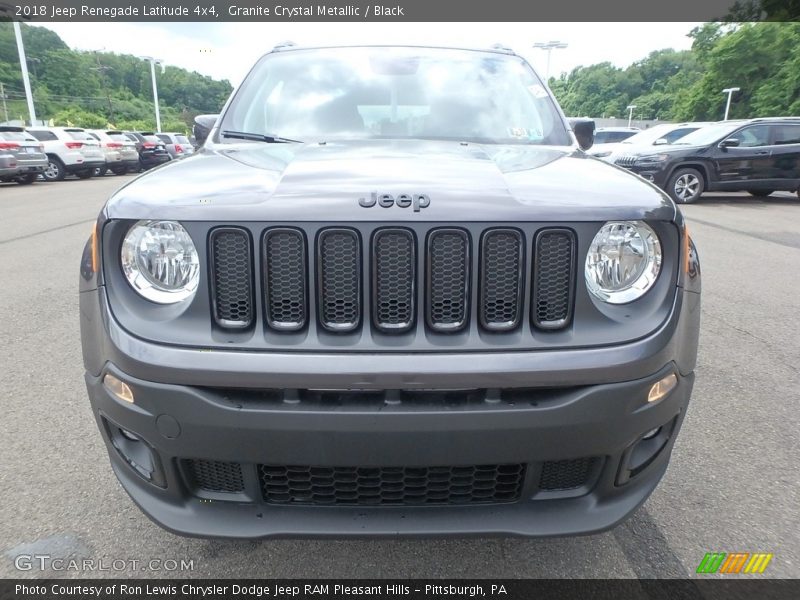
(23, 63)
(153, 63)
(630, 108)
(729, 91)
(101, 69)
(549, 46)
(5, 108)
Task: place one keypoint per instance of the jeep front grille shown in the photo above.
(391, 485)
(393, 283)
(625, 160)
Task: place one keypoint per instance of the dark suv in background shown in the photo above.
(759, 156)
(152, 150)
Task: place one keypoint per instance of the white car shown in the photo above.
(665, 133)
(70, 151)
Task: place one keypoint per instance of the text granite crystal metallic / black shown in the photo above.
(390, 295)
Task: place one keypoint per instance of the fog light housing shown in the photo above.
(662, 388)
(118, 388)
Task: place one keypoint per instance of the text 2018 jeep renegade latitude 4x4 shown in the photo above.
(390, 295)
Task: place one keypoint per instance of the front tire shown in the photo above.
(119, 170)
(55, 170)
(84, 174)
(686, 185)
(760, 193)
(100, 171)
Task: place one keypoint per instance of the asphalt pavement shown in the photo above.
(733, 483)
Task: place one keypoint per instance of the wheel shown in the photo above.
(100, 171)
(26, 179)
(759, 192)
(119, 170)
(84, 174)
(686, 185)
(55, 169)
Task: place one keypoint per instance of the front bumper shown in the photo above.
(580, 404)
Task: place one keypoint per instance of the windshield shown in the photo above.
(708, 135)
(397, 93)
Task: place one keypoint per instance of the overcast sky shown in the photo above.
(228, 50)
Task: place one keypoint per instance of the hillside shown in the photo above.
(92, 89)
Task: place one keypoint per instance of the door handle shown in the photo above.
(763, 152)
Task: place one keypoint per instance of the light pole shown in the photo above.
(728, 91)
(548, 46)
(26, 81)
(630, 108)
(153, 63)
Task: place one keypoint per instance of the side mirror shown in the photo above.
(203, 124)
(584, 132)
(729, 143)
(661, 142)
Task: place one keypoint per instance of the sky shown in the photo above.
(228, 50)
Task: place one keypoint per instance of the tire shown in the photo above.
(100, 171)
(55, 170)
(84, 174)
(686, 185)
(759, 193)
(119, 170)
(26, 179)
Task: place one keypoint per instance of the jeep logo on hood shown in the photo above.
(417, 201)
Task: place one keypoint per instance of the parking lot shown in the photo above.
(732, 484)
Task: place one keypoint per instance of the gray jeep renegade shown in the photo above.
(391, 294)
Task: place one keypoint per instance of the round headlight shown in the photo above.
(623, 261)
(160, 261)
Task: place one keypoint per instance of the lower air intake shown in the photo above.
(566, 474)
(215, 476)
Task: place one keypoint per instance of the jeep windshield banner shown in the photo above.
(397, 10)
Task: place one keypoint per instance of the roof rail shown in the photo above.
(283, 44)
(502, 48)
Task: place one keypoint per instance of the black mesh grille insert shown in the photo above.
(215, 476)
(232, 277)
(391, 485)
(339, 279)
(554, 265)
(394, 262)
(285, 278)
(448, 279)
(566, 474)
(501, 279)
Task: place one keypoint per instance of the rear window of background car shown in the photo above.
(79, 135)
(44, 136)
(787, 134)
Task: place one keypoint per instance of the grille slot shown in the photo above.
(501, 279)
(231, 277)
(394, 273)
(339, 264)
(448, 279)
(285, 278)
(566, 474)
(215, 476)
(391, 485)
(554, 275)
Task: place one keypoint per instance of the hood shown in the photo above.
(323, 182)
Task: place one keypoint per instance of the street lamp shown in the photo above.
(549, 47)
(630, 108)
(728, 91)
(153, 63)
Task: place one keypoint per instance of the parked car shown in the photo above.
(70, 151)
(8, 162)
(178, 145)
(613, 135)
(115, 143)
(658, 135)
(758, 156)
(370, 306)
(28, 153)
(152, 151)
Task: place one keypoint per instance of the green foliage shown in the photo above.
(763, 59)
(89, 87)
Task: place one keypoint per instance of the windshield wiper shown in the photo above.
(259, 137)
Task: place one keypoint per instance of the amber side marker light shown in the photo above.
(95, 250)
(662, 388)
(119, 388)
